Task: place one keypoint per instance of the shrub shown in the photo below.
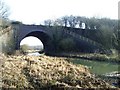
(67, 44)
(24, 48)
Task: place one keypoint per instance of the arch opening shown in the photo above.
(37, 40)
(31, 44)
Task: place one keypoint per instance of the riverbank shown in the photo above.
(113, 78)
(47, 72)
(90, 56)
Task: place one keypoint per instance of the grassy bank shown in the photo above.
(47, 72)
(90, 56)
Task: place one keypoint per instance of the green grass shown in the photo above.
(97, 67)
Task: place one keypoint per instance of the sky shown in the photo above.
(36, 11)
(29, 41)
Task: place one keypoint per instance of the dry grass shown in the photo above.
(44, 71)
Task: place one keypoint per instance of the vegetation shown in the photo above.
(60, 41)
(67, 44)
(24, 48)
(102, 30)
(8, 42)
(49, 72)
(90, 23)
(4, 12)
(33, 72)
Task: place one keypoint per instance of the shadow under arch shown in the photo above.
(43, 37)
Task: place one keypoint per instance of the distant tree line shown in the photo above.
(77, 21)
(107, 30)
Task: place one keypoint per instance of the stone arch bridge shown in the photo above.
(45, 34)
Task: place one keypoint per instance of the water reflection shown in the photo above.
(34, 54)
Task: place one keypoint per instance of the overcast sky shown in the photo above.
(36, 11)
(29, 41)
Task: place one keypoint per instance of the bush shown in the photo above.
(67, 44)
(24, 48)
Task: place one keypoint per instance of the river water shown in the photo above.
(34, 54)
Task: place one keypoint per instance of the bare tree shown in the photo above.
(72, 21)
(58, 22)
(4, 10)
(65, 20)
(48, 22)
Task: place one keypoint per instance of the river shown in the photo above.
(34, 54)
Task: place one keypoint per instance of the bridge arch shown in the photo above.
(46, 35)
(42, 36)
